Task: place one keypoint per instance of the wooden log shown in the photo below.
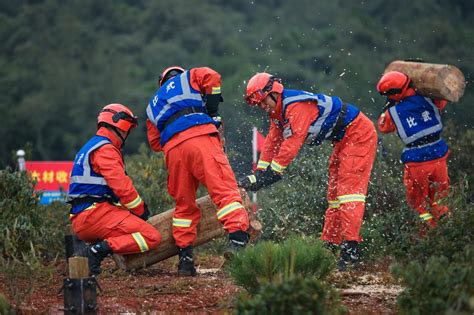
(78, 267)
(432, 80)
(208, 229)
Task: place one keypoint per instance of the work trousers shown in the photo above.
(201, 160)
(427, 185)
(124, 232)
(350, 166)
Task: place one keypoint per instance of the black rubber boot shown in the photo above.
(349, 255)
(186, 262)
(333, 248)
(237, 241)
(95, 254)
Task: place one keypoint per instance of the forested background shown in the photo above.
(62, 61)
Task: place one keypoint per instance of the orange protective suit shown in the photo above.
(124, 232)
(426, 183)
(195, 156)
(349, 169)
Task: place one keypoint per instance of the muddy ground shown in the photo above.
(158, 290)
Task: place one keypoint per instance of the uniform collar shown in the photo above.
(112, 136)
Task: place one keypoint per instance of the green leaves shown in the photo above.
(268, 262)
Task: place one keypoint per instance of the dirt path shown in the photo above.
(159, 289)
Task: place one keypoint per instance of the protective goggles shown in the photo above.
(122, 115)
(256, 97)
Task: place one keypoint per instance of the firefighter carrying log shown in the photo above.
(298, 117)
(183, 121)
(107, 210)
(417, 121)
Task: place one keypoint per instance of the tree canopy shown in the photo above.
(62, 61)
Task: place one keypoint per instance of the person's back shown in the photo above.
(417, 121)
(106, 209)
(182, 121)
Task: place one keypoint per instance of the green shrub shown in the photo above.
(438, 270)
(24, 224)
(297, 296)
(452, 234)
(442, 285)
(267, 262)
(5, 308)
(297, 203)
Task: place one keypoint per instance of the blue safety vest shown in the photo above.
(173, 97)
(329, 111)
(419, 126)
(86, 186)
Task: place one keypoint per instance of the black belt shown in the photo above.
(339, 126)
(425, 140)
(186, 111)
(89, 199)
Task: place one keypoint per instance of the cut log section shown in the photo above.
(432, 80)
(208, 229)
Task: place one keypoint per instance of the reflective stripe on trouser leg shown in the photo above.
(140, 241)
(333, 203)
(351, 207)
(351, 198)
(179, 222)
(426, 216)
(222, 212)
(428, 219)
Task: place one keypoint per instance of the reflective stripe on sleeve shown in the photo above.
(216, 90)
(262, 165)
(426, 216)
(140, 241)
(333, 203)
(182, 222)
(351, 198)
(228, 209)
(277, 167)
(134, 203)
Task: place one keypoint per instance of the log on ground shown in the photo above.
(208, 229)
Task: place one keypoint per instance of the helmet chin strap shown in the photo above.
(120, 136)
(273, 98)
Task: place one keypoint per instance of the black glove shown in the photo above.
(212, 103)
(248, 182)
(146, 213)
(260, 180)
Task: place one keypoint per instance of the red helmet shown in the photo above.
(260, 85)
(394, 84)
(119, 116)
(168, 73)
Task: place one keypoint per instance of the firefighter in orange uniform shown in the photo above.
(417, 121)
(298, 117)
(106, 209)
(182, 121)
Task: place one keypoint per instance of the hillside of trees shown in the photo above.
(61, 61)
